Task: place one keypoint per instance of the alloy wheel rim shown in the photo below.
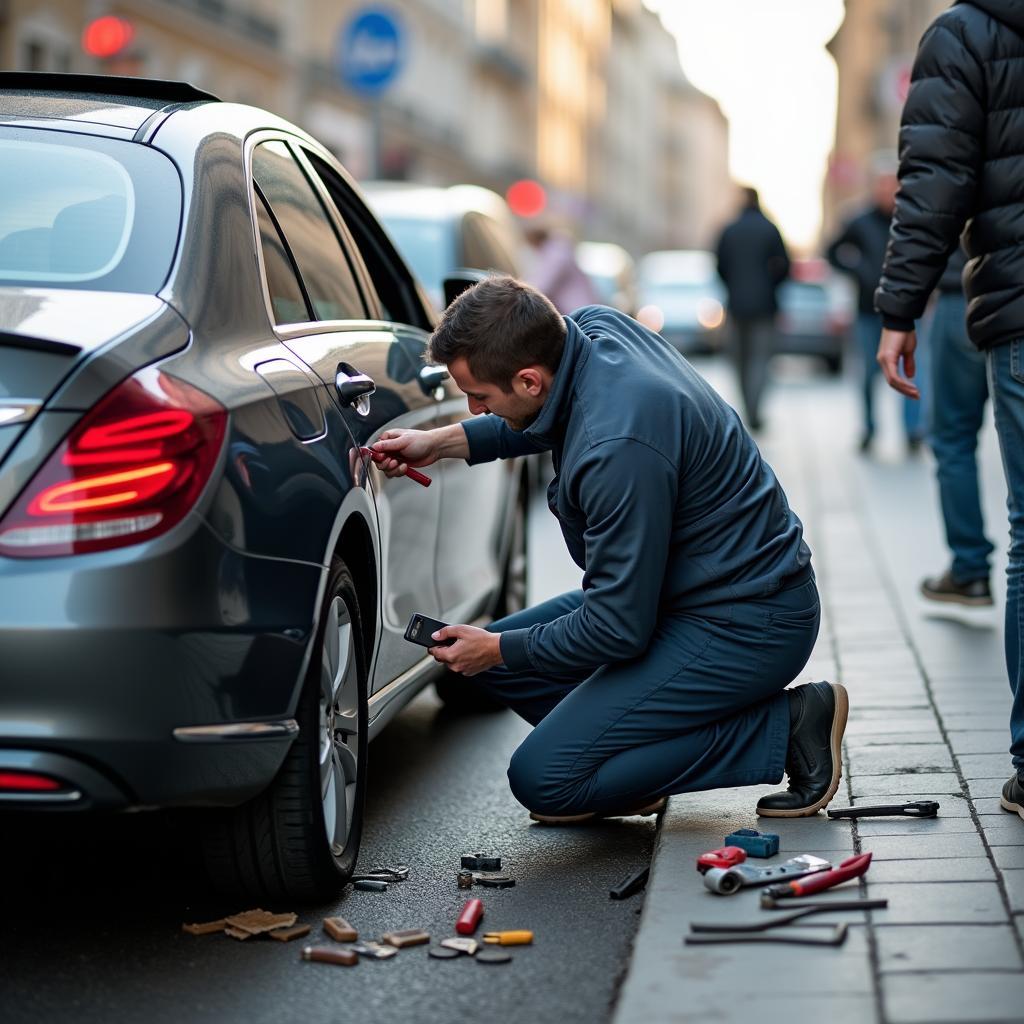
(339, 725)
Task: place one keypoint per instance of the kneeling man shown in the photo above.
(667, 672)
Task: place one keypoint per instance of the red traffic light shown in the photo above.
(107, 36)
(526, 198)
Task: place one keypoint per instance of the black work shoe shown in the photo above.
(814, 761)
(1013, 796)
(974, 594)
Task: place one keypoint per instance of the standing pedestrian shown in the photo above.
(667, 672)
(752, 262)
(859, 250)
(958, 390)
(554, 270)
(960, 145)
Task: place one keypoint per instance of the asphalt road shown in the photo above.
(90, 912)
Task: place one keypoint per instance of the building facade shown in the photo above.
(586, 96)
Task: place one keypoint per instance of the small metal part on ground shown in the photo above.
(493, 956)
(489, 880)
(464, 879)
(374, 950)
(287, 934)
(340, 930)
(461, 944)
(370, 885)
(631, 884)
(481, 862)
(399, 873)
(443, 952)
(204, 927)
(406, 937)
(522, 937)
(254, 922)
(328, 955)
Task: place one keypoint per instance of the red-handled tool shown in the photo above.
(852, 867)
(412, 474)
(470, 917)
(723, 857)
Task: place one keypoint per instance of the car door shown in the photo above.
(341, 334)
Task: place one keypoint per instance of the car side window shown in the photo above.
(286, 298)
(325, 271)
(483, 246)
(389, 274)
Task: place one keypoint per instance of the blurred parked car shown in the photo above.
(440, 229)
(815, 314)
(683, 299)
(612, 272)
(203, 584)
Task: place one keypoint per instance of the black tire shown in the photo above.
(276, 846)
(458, 693)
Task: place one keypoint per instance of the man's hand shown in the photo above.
(475, 650)
(408, 448)
(894, 347)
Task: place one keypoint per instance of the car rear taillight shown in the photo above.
(129, 470)
(28, 782)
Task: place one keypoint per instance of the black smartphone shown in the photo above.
(421, 628)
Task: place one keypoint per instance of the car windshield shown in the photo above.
(85, 212)
(427, 246)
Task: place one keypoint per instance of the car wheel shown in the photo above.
(300, 838)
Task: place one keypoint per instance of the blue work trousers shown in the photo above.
(702, 708)
(1006, 386)
(959, 390)
(868, 329)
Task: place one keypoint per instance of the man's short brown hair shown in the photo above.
(499, 326)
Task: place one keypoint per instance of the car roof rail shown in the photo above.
(105, 85)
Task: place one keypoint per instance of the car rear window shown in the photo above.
(85, 212)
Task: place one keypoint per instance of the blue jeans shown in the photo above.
(868, 330)
(1006, 386)
(959, 390)
(702, 708)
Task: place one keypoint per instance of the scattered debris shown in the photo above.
(493, 956)
(490, 880)
(461, 944)
(205, 928)
(255, 922)
(374, 950)
(340, 930)
(481, 862)
(443, 952)
(754, 843)
(328, 955)
(287, 934)
(370, 885)
(631, 884)
(726, 881)
(470, 916)
(464, 879)
(406, 937)
(238, 933)
(513, 938)
(399, 873)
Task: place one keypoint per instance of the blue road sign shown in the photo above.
(370, 50)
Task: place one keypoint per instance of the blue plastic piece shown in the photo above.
(756, 844)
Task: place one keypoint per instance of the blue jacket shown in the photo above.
(663, 498)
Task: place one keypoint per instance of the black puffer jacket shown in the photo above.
(859, 251)
(961, 160)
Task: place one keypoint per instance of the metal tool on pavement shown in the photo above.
(726, 881)
(522, 937)
(370, 885)
(374, 950)
(489, 880)
(406, 937)
(834, 937)
(770, 921)
(754, 843)
(464, 879)
(480, 862)
(399, 873)
(631, 884)
(723, 857)
(913, 809)
(470, 916)
(852, 867)
(461, 944)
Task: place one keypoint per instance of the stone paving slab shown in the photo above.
(939, 903)
(1014, 883)
(980, 741)
(952, 997)
(921, 845)
(886, 760)
(939, 869)
(907, 785)
(937, 948)
(868, 828)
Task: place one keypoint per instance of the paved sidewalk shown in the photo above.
(929, 713)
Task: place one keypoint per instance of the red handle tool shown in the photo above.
(470, 916)
(412, 474)
(723, 857)
(852, 867)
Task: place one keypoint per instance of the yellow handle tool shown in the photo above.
(517, 938)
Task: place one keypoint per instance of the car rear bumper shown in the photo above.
(103, 657)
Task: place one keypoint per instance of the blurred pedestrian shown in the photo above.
(858, 251)
(960, 146)
(554, 270)
(753, 262)
(958, 390)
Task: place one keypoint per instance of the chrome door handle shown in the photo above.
(431, 378)
(354, 389)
